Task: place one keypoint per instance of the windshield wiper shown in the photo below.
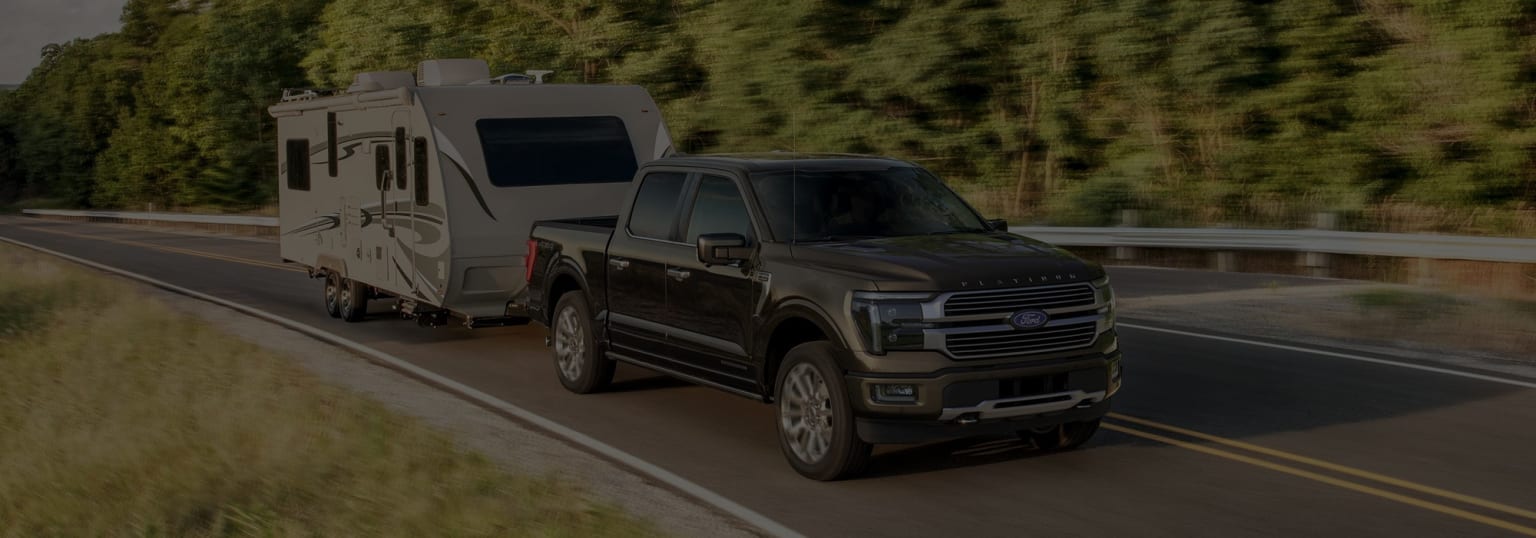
(826, 238)
(962, 231)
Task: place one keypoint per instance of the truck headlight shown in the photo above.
(890, 321)
(1106, 296)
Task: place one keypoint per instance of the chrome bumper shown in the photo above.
(1027, 405)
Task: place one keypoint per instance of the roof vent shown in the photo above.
(380, 80)
(452, 72)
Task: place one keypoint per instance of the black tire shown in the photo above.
(803, 426)
(1064, 437)
(354, 301)
(332, 294)
(578, 364)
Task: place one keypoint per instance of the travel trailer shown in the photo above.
(422, 189)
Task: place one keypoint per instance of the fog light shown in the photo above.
(900, 394)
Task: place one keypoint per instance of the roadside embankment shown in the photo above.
(120, 415)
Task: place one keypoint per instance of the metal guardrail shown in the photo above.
(1429, 246)
(234, 220)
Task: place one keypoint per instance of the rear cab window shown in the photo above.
(654, 215)
(531, 152)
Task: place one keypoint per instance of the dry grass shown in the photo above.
(119, 417)
(1501, 326)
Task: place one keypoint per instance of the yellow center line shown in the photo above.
(177, 250)
(1343, 469)
(1309, 475)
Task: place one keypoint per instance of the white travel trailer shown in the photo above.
(423, 188)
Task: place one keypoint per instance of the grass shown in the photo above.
(121, 417)
(1406, 305)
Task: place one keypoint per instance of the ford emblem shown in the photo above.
(1029, 319)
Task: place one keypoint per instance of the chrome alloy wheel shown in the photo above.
(806, 413)
(570, 345)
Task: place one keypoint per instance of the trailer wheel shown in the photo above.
(333, 295)
(581, 368)
(354, 301)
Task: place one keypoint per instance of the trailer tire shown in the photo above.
(332, 294)
(578, 364)
(354, 301)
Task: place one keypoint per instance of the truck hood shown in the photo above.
(950, 262)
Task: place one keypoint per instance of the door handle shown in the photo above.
(619, 264)
(678, 274)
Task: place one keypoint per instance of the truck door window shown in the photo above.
(298, 163)
(420, 163)
(330, 142)
(718, 208)
(400, 158)
(655, 211)
(381, 166)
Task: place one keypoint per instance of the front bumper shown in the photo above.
(907, 431)
(966, 401)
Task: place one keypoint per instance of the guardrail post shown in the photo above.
(1225, 260)
(1129, 218)
(1317, 264)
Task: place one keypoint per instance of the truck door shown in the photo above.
(376, 218)
(637, 298)
(400, 223)
(712, 306)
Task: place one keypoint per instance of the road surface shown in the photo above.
(1209, 437)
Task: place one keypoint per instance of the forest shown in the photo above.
(1395, 115)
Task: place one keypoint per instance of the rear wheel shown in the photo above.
(353, 300)
(581, 368)
(333, 295)
(1062, 437)
(817, 431)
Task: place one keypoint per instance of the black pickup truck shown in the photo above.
(858, 294)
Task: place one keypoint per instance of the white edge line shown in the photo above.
(699, 492)
(1372, 360)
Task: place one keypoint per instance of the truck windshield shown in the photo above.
(839, 205)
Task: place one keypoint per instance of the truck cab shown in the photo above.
(859, 295)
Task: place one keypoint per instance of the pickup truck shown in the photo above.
(859, 295)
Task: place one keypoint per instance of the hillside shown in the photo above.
(1398, 114)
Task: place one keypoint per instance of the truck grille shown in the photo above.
(1018, 342)
(1016, 299)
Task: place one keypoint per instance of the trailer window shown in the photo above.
(298, 164)
(654, 214)
(525, 152)
(330, 142)
(420, 162)
(400, 158)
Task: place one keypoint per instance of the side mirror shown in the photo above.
(723, 249)
(998, 225)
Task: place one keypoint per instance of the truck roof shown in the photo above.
(779, 160)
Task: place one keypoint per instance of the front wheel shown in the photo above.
(581, 369)
(1063, 437)
(817, 431)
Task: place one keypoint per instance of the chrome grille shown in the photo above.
(1016, 299)
(1021, 342)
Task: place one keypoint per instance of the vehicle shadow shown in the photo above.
(971, 452)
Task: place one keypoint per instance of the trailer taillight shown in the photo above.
(533, 248)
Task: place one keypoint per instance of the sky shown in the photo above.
(27, 25)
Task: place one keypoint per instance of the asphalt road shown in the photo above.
(1209, 438)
